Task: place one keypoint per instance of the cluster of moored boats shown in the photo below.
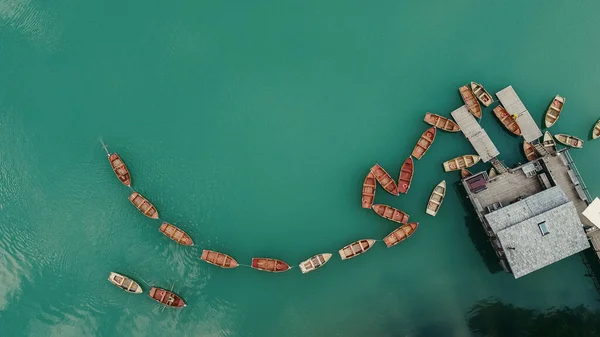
(472, 96)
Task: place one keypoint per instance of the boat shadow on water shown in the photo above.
(476, 231)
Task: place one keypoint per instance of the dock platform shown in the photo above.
(476, 135)
(514, 106)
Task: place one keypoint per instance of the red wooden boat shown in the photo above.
(391, 213)
(176, 234)
(470, 101)
(120, 169)
(368, 191)
(465, 173)
(270, 265)
(441, 122)
(424, 143)
(143, 205)
(406, 174)
(400, 234)
(166, 297)
(219, 259)
(384, 179)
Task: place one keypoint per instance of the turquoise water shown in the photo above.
(251, 125)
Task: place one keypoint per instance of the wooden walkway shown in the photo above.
(476, 135)
(513, 105)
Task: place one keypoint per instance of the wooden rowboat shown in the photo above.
(529, 151)
(507, 120)
(125, 283)
(441, 122)
(424, 143)
(465, 173)
(568, 140)
(384, 179)
(461, 162)
(368, 191)
(390, 213)
(218, 259)
(406, 174)
(270, 265)
(479, 91)
(436, 199)
(596, 130)
(166, 297)
(356, 248)
(400, 234)
(143, 205)
(549, 142)
(176, 234)
(554, 110)
(120, 169)
(470, 101)
(493, 173)
(314, 262)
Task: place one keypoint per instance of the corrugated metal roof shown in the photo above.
(529, 207)
(479, 139)
(513, 105)
(527, 250)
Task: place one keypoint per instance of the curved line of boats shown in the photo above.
(471, 96)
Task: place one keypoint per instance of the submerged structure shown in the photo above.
(532, 214)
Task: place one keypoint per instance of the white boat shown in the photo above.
(125, 283)
(314, 262)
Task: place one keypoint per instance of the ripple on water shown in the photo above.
(36, 24)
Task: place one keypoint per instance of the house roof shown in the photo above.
(529, 207)
(527, 250)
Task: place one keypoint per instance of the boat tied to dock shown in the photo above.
(470, 101)
(441, 122)
(461, 162)
(529, 151)
(400, 234)
(385, 180)
(548, 142)
(507, 120)
(482, 95)
(391, 213)
(407, 171)
(554, 110)
(424, 143)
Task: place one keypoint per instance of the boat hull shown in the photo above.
(143, 205)
(384, 179)
(314, 262)
(596, 130)
(400, 234)
(436, 199)
(569, 140)
(482, 95)
(176, 234)
(125, 283)
(120, 169)
(507, 120)
(424, 143)
(554, 110)
(218, 259)
(470, 101)
(441, 122)
(270, 265)
(368, 191)
(464, 173)
(356, 248)
(549, 142)
(166, 297)
(390, 213)
(461, 162)
(406, 174)
(529, 151)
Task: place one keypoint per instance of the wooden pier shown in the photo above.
(476, 135)
(514, 106)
